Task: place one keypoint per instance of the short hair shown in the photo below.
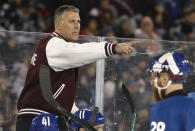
(64, 8)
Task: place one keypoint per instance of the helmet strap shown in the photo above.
(161, 88)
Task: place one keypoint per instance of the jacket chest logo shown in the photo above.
(56, 94)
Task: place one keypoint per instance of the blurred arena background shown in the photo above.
(163, 25)
(166, 19)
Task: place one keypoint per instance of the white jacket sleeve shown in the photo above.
(65, 55)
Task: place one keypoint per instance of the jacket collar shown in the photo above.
(57, 35)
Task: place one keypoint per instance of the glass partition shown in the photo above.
(16, 50)
(132, 71)
(99, 82)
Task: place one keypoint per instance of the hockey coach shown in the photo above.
(63, 56)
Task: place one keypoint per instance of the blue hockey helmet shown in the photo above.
(44, 122)
(86, 115)
(174, 63)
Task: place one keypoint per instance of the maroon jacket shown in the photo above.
(31, 101)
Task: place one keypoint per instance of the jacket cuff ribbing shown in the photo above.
(110, 49)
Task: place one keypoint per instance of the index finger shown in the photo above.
(133, 42)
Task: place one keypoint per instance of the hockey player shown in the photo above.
(63, 56)
(45, 122)
(175, 109)
(49, 122)
(86, 115)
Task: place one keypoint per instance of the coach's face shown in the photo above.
(70, 26)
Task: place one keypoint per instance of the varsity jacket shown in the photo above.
(64, 59)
